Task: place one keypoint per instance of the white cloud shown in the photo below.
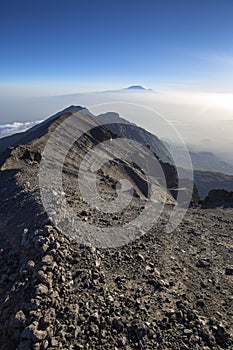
(16, 127)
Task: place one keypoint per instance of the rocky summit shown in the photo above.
(160, 290)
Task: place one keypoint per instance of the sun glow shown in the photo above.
(220, 101)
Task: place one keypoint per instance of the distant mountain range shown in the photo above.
(210, 162)
(205, 161)
(131, 88)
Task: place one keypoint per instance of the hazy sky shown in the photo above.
(59, 46)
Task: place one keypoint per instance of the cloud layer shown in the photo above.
(16, 127)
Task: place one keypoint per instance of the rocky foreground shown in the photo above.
(161, 291)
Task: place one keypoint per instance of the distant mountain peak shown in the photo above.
(137, 87)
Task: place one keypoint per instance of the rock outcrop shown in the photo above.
(218, 198)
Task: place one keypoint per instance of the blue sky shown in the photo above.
(98, 44)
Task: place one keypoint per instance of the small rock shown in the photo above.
(98, 262)
(187, 331)
(94, 329)
(38, 335)
(54, 342)
(149, 268)
(118, 325)
(229, 271)
(47, 259)
(44, 247)
(41, 289)
(200, 303)
(95, 317)
(140, 257)
(122, 341)
(110, 298)
(156, 272)
(203, 263)
(137, 330)
(30, 264)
